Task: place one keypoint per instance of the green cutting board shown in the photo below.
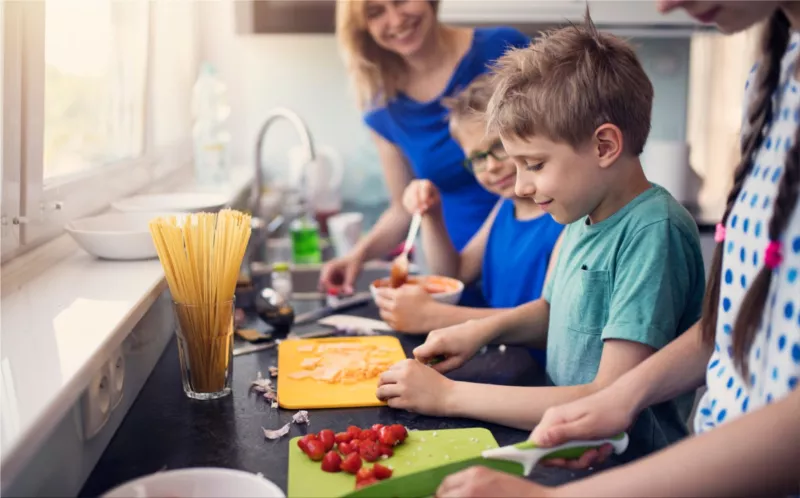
(422, 450)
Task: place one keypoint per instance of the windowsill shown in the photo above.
(60, 324)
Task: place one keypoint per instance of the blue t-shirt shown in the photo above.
(516, 257)
(420, 130)
(515, 260)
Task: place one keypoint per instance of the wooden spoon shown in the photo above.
(399, 273)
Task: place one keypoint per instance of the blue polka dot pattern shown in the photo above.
(774, 358)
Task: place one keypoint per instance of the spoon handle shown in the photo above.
(412, 232)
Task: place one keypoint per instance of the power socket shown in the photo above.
(116, 376)
(96, 403)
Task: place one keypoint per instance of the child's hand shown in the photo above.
(456, 344)
(421, 196)
(405, 309)
(410, 385)
(602, 414)
(481, 482)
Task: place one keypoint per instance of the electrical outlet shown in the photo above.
(116, 376)
(96, 403)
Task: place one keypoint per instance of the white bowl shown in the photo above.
(197, 483)
(117, 236)
(184, 202)
(450, 296)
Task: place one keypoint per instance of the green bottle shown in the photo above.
(305, 240)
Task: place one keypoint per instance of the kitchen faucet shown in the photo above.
(305, 138)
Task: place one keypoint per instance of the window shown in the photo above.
(94, 84)
(96, 98)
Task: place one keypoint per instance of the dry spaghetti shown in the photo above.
(202, 256)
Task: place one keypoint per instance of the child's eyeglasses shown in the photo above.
(477, 163)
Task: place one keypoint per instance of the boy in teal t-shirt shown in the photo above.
(573, 111)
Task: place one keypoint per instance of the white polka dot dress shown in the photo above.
(774, 359)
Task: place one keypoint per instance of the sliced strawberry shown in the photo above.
(381, 472)
(377, 427)
(400, 432)
(385, 450)
(368, 435)
(346, 448)
(387, 436)
(328, 438)
(331, 462)
(343, 437)
(354, 431)
(303, 441)
(351, 464)
(369, 451)
(315, 450)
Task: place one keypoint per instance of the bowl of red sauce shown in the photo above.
(442, 289)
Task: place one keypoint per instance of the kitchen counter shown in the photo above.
(166, 430)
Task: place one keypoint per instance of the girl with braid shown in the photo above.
(746, 346)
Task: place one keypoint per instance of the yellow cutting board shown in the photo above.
(298, 394)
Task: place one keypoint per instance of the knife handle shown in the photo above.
(575, 449)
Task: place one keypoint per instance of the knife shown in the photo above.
(518, 459)
(344, 304)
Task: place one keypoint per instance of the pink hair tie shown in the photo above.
(719, 234)
(773, 256)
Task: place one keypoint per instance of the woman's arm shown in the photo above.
(442, 257)
(392, 226)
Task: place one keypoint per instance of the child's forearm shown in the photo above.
(514, 406)
(755, 455)
(440, 255)
(440, 315)
(526, 324)
(678, 368)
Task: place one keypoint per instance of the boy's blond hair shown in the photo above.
(375, 72)
(470, 103)
(567, 84)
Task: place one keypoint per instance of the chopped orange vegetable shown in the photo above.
(343, 362)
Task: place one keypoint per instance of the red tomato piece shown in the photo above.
(387, 436)
(368, 435)
(400, 432)
(365, 482)
(343, 437)
(369, 451)
(381, 472)
(328, 438)
(364, 473)
(315, 450)
(377, 427)
(331, 462)
(351, 464)
(354, 431)
(386, 450)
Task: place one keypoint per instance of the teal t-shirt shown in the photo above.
(636, 276)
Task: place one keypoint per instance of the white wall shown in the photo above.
(301, 72)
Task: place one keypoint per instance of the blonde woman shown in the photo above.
(403, 61)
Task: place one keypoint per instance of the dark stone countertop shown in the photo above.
(166, 430)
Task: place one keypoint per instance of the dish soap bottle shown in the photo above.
(304, 231)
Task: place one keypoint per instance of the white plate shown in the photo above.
(187, 202)
(196, 483)
(118, 236)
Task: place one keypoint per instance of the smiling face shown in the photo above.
(490, 163)
(730, 17)
(567, 183)
(400, 26)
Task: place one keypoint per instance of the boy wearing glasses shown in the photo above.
(510, 254)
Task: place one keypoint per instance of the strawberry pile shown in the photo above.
(344, 451)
